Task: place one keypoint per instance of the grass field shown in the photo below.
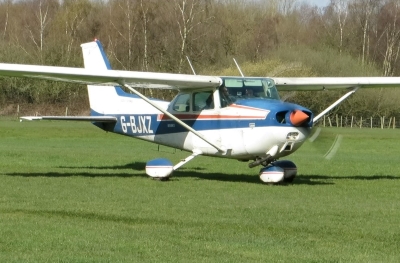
(73, 193)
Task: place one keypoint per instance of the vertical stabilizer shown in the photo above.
(94, 56)
(102, 99)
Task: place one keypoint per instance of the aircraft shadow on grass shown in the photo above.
(355, 177)
(91, 215)
(195, 172)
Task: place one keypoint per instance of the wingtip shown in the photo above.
(29, 118)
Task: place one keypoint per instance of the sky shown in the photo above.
(319, 3)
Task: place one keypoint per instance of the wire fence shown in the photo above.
(360, 122)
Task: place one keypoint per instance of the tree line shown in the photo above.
(267, 37)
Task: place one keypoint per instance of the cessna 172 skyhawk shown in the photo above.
(230, 117)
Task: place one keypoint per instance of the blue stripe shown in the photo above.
(149, 125)
(159, 162)
(270, 104)
(106, 61)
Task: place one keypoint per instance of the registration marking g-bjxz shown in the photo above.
(138, 124)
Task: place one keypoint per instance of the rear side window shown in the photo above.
(182, 103)
(203, 100)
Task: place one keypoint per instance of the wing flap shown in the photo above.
(110, 77)
(325, 83)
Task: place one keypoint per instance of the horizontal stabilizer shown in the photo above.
(71, 118)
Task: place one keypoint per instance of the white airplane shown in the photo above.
(239, 118)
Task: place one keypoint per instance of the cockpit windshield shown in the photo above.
(247, 88)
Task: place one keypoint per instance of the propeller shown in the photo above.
(327, 139)
(325, 142)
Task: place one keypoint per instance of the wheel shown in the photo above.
(161, 179)
(289, 179)
(290, 170)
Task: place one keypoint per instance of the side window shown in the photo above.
(203, 100)
(182, 103)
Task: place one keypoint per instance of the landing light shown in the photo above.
(292, 136)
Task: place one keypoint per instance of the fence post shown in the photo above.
(66, 111)
(394, 120)
(390, 122)
(18, 111)
(352, 118)
(361, 123)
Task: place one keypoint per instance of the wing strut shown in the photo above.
(237, 65)
(345, 96)
(174, 118)
(187, 159)
(191, 66)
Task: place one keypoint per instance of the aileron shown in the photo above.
(322, 83)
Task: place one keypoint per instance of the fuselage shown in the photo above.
(246, 123)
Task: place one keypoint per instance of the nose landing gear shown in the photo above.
(275, 172)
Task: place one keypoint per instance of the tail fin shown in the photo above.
(94, 56)
(100, 97)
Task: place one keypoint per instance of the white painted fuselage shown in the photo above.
(245, 133)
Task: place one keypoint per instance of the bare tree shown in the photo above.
(286, 7)
(188, 18)
(145, 21)
(37, 21)
(72, 19)
(123, 29)
(340, 7)
(390, 17)
(6, 16)
(283, 7)
(42, 17)
(365, 12)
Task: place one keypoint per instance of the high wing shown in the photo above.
(110, 77)
(323, 83)
(179, 81)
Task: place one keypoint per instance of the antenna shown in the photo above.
(190, 64)
(237, 65)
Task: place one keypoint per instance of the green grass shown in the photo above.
(73, 193)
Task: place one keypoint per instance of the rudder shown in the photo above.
(100, 97)
(94, 56)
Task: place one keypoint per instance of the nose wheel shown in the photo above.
(275, 172)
